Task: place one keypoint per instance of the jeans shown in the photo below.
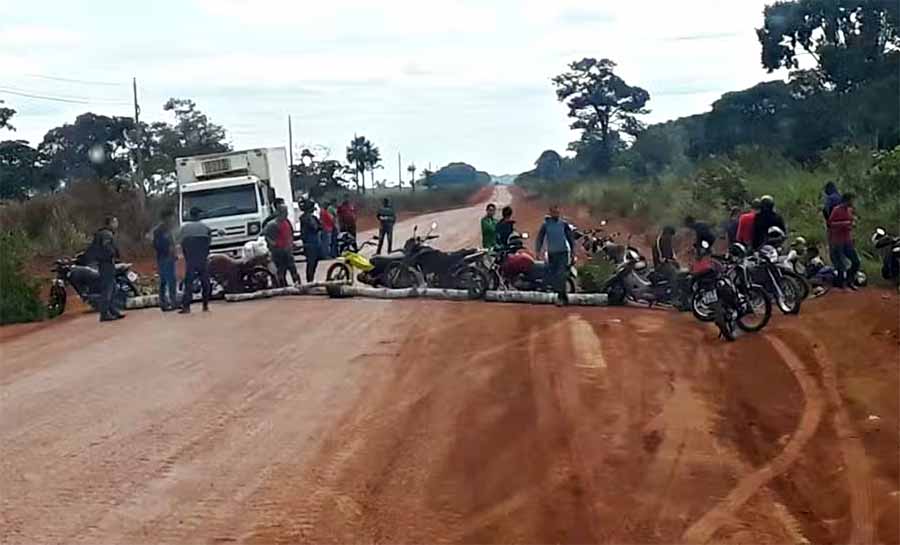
(325, 244)
(334, 242)
(167, 282)
(386, 231)
(838, 253)
(556, 273)
(312, 252)
(192, 270)
(284, 264)
(106, 304)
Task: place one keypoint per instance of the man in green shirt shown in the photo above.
(489, 227)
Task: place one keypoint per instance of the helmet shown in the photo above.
(861, 279)
(878, 235)
(798, 242)
(515, 242)
(737, 250)
(775, 235)
(766, 202)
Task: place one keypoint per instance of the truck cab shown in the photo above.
(235, 193)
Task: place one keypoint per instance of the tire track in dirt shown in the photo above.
(704, 529)
(858, 474)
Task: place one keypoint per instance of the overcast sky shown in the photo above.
(439, 81)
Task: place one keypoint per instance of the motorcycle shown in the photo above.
(85, 280)
(889, 248)
(251, 272)
(634, 281)
(785, 286)
(527, 274)
(723, 292)
(423, 264)
(370, 271)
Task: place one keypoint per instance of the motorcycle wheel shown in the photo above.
(615, 295)
(260, 278)
(57, 303)
(473, 280)
(700, 310)
(128, 288)
(399, 276)
(801, 283)
(759, 306)
(725, 321)
(789, 301)
(339, 272)
(494, 281)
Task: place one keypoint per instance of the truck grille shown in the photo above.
(236, 231)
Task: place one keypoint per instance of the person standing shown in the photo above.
(327, 237)
(310, 227)
(195, 239)
(730, 226)
(744, 233)
(276, 205)
(831, 198)
(702, 233)
(386, 220)
(104, 251)
(346, 213)
(560, 241)
(765, 219)
(840, 239)
(280, 238)
(489, 227)
(664, 248)
(164, 244)
(336, 233)
(505, 226)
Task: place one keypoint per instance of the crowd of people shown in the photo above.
(752, 228)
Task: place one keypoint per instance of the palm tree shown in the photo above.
(372, 158)
(412, 172)
(357, 155)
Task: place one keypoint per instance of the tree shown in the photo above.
(548, 165)
(358, 154)
(192, 134)
(412, 176)
(603, 107)
(94, 147)
(20, 175)
(851, 41)
(372, 159)
(5, 115)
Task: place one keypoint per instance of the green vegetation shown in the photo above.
(20, 299)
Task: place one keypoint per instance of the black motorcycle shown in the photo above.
(889, 248)
(424, 264)
(85, 280)
(634, 281)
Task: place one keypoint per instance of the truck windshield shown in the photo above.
(223, 201)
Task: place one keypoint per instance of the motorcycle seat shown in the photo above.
(384, 260)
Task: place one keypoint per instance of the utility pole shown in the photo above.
(139, 155)
(399, 173)
(290, 143)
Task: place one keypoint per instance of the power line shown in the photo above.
(70, 80)
(70, 99)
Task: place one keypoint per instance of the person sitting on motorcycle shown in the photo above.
(505, 226)
(702, 232)
(104, 251)
(519, 260)
(280, 238)
(765, 219)
(560, 240)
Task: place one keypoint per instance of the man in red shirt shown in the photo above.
(840, 238)
(327, 234)
(745, 225)
(280, 237)
(346, 213)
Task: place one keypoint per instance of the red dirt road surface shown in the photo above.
(308, 420)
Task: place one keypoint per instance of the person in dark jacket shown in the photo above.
(164, 244)
(195, 239)
(702, 232)
(505, 226)
(765, 219)
(560, 242)
(104, 251)
(840, 240)
(310, 227)
(663, 247)
(280, 239)
(830, 199)
(386, 219)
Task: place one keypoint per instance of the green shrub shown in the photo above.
(593, 274)
(20, 299)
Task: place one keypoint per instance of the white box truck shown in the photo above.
(235, 192)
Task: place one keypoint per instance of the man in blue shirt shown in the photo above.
(164, 244)
(560, 247)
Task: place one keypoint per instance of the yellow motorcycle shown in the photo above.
(355, 266)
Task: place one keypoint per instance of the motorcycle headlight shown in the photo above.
(253, 228)
(769, 253)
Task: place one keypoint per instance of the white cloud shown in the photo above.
(36, 35)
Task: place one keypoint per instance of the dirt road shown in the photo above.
(312, 420)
